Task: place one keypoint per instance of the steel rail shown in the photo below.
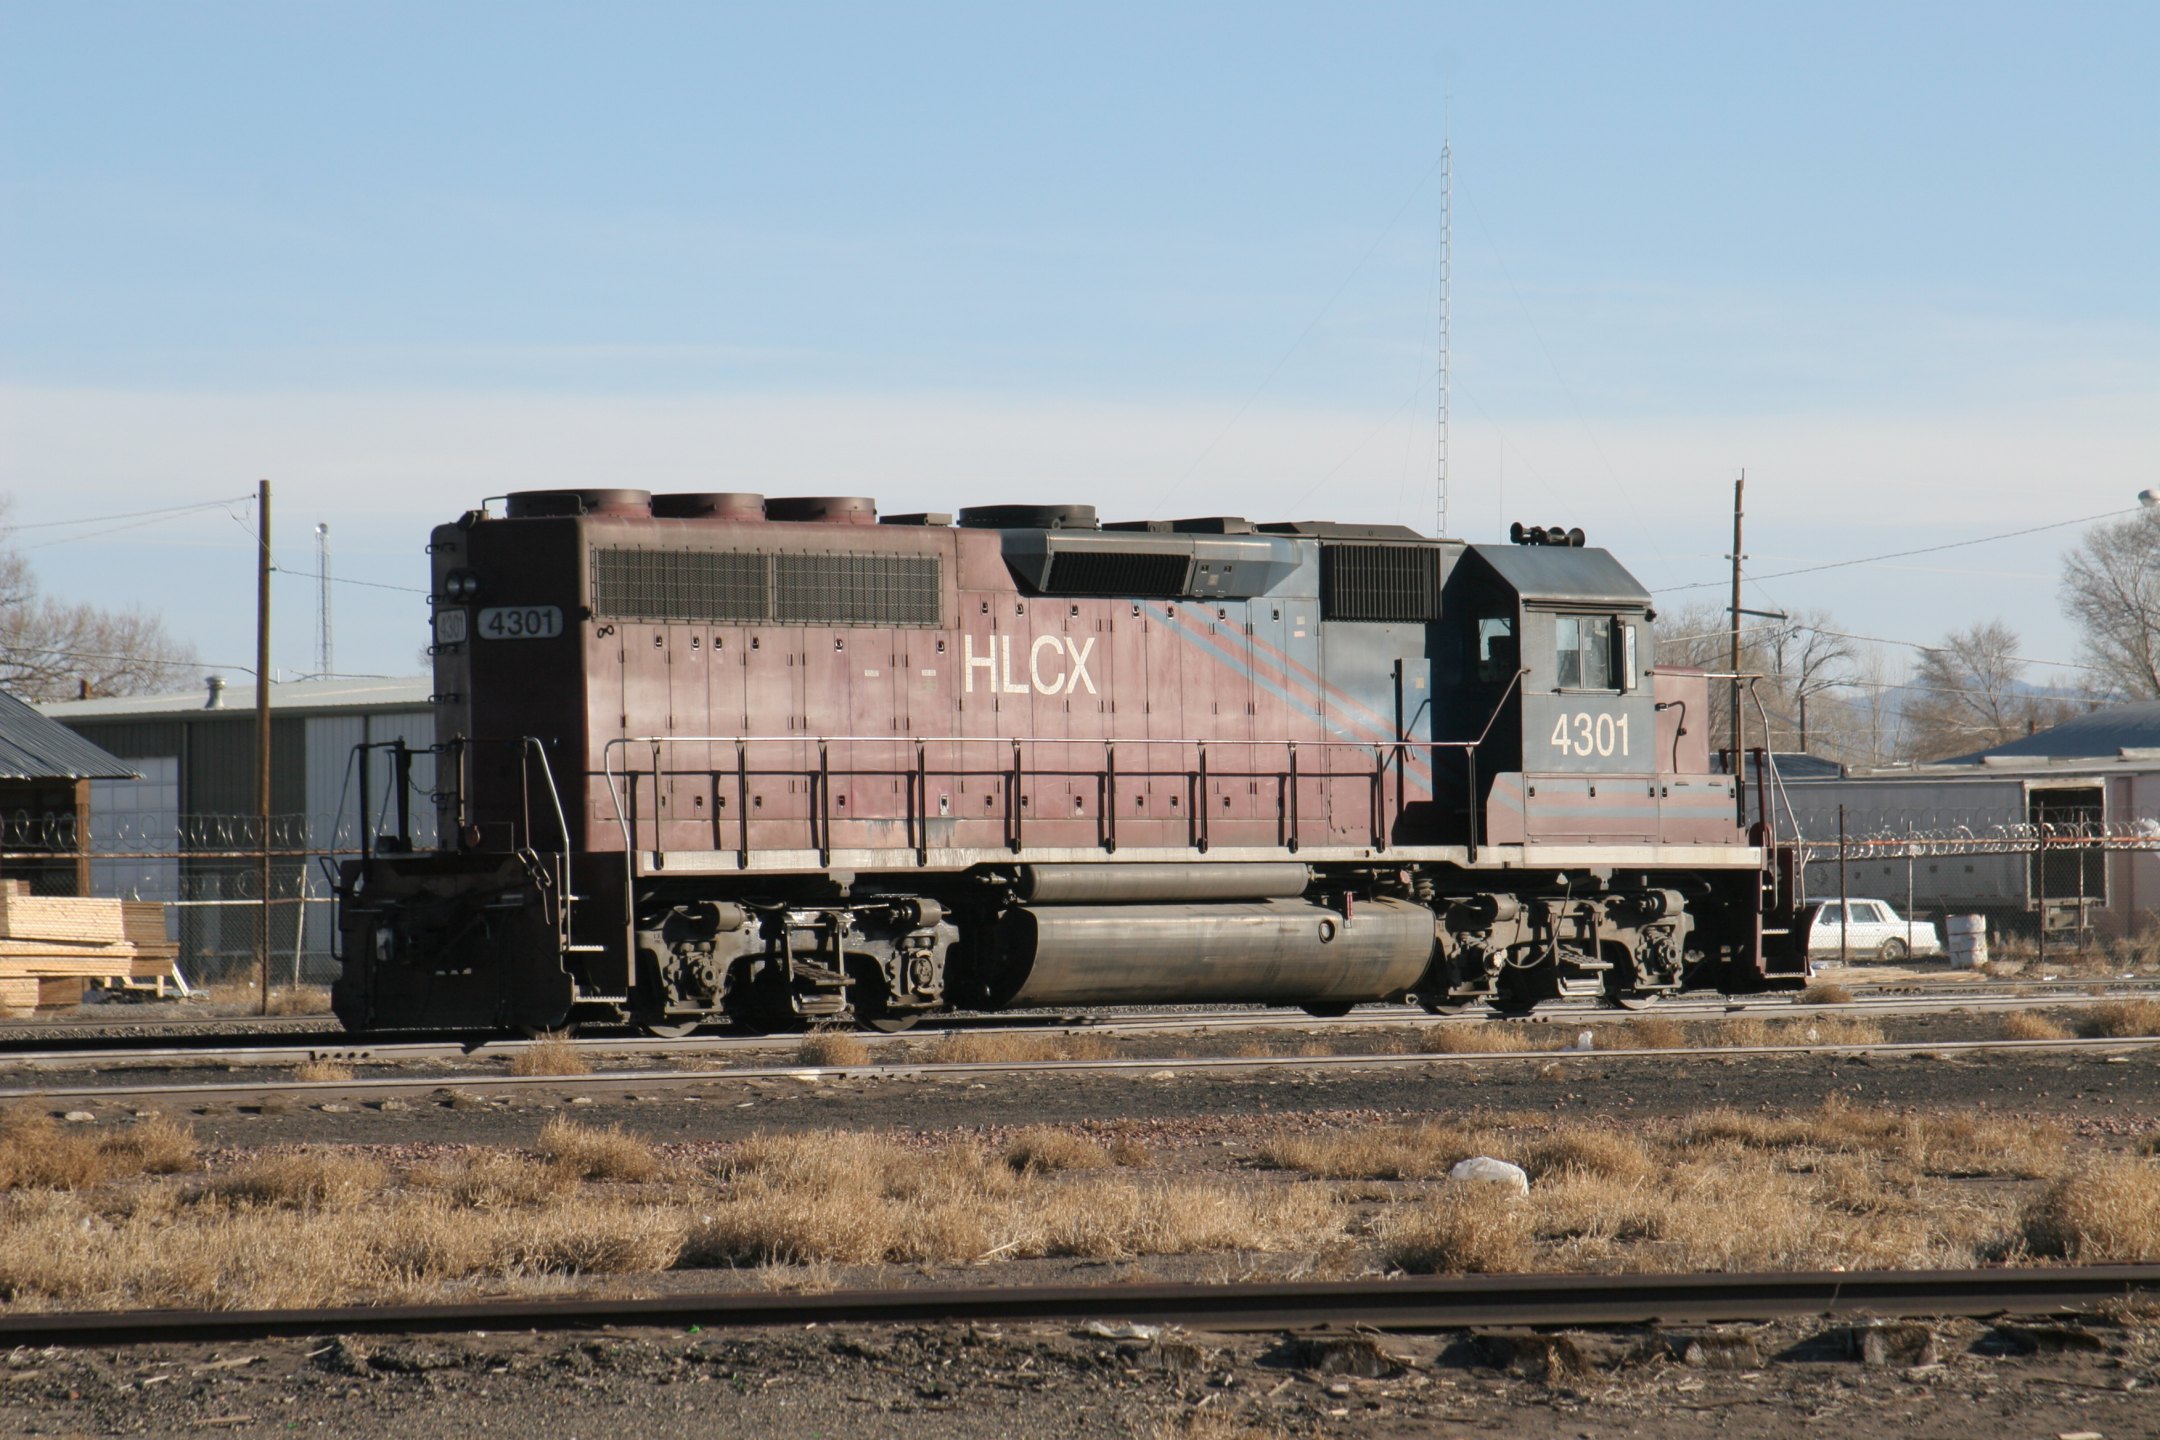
(646, 1079)
(1414, 1303)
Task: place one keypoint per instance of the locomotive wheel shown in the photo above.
(1446, 1004)
(892, 1024)
(1332, 1010)
(672, 1030)
(1629, 1000)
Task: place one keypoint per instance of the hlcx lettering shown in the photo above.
(1055, 665)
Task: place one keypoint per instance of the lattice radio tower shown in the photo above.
(1446, 267)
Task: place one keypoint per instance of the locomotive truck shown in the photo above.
(713, 758)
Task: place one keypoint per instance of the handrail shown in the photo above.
(620, 781)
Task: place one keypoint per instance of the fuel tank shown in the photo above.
(1277, 951)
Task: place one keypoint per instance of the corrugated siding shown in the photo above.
(133, 739)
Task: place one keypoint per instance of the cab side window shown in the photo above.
(1497, 655)
(1583, 647)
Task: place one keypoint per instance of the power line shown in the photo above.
(1921, 645)
(1902, 554)
(128, 515)
(318, 577)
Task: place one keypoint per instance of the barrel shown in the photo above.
(1967, 938)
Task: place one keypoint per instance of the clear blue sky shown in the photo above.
(1896, 260)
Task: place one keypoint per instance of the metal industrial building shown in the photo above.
(2053, 828)
(185, 830)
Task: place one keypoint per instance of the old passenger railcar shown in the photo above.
(712, 757)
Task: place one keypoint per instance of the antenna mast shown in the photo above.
(322, 599)
(1446, 266)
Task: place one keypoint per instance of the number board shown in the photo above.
(520, 622)
(1589, 732)
(450, 627)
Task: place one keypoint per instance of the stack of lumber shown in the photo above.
(53, 946)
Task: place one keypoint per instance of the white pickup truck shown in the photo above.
(1867, 929)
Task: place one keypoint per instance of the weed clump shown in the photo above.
(2108, 1211)
(594, 1154)
(1466, 1229)
(37, 1154)
(2120, 1020)
(832, 1047)
(1042, 1150)
(550, 1054)
(2032, 1025)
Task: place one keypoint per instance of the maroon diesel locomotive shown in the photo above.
(709, 757)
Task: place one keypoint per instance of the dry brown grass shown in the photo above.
(1491, 1037)
(596, 1154)
(1825, 992)
(2120, 1020)
(550, 1054)
(496, 1179)
(1006, 1047)
(1651, 1033)
(1749, 1030)
(1042, 1150)
(2105, 1212)
(1939, 1144)
(308, 1179)
(1129, 1153)
(61, 1251)
(2032, 1025)
(1583, 1150)
(36, 1153)
(315, 1071)
(1371, 1152)
(848, 1198)
(244, 997)
(832, 1047)
(1217, 1425)
(1464, 1229)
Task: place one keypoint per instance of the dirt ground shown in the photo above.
(1963, 1378)
(1960, 1379)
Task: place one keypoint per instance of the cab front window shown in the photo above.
(1583, 646)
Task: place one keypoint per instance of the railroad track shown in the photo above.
(314, 1041)
(1417, 1303)
(41, 1039)
(383, 1087)
(304, 1045)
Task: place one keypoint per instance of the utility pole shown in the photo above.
(323, 665)
(262, 729)
(1739, 750)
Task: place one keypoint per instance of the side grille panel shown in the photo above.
(751, 587)
(1398, 583)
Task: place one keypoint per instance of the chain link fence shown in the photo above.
(206, 870)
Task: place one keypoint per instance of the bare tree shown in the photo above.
(2111, 588)
(1804, 659)
(57, 650)
(1806, 671)
(1969, 694)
